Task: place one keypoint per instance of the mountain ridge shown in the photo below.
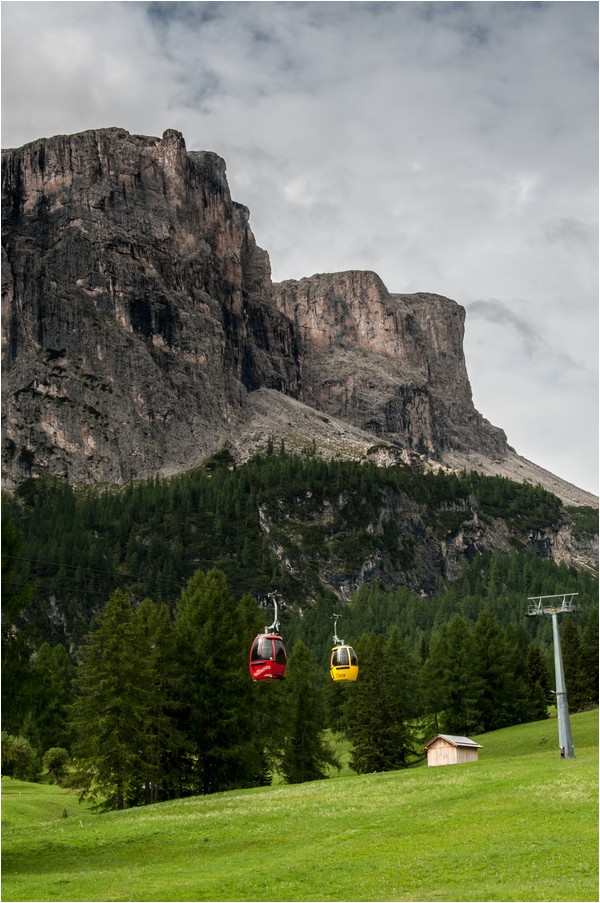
(141, 331)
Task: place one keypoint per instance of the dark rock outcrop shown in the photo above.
(135, 308)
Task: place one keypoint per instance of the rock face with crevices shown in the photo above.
(141, 331)
(135, 308)
(391, 364)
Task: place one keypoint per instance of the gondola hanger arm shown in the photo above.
(275, 625)
(336, 639)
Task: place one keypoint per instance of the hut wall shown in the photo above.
(442, 753)
(465, 754)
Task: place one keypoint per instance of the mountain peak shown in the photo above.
(139, 320)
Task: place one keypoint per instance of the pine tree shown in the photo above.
(539, 682)
(305, 753)
(590, 658)
(159, 777)
(111, 711)
(402, 670)
(383, 702)
(503, 693)
(17, 646)
(53, 673)
(432, 686)
(217, 704)
(450, 684)
(575, 676)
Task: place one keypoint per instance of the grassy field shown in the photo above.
(519, 825)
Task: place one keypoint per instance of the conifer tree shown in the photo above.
(17, 646)
(111, 712)
(216, 692)
(590, 658)
(450, 684)
(402, 669)
(153, 633)
(305, 753)
(573, 662)
(503, 694)
(382, 704)
(539, 682)
(431, 684)
(53, 673)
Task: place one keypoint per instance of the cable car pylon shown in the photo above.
(553, 606)
(344, 663)
(267, 654)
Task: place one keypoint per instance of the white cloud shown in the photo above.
(450, 147)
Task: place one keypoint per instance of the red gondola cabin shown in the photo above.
(267, 657)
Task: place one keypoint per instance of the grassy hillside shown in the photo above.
(519, 825)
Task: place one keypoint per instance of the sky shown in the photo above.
(449, 147)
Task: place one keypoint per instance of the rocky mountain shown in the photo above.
(141, 332)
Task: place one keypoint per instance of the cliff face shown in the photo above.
(391, 364)
(141, 330)
(135, 310)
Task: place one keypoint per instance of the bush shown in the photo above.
(19, 759)
(55, 762)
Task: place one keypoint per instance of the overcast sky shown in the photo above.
(450, 147)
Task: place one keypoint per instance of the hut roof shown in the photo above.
(455, 741)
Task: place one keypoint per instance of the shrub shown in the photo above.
(19, 759)
(55, 762)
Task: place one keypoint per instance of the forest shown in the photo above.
(128, 615)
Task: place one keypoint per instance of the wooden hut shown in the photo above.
(445, 749)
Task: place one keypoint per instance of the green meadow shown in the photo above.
(520, 824)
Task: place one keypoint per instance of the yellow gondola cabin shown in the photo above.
(344, 663)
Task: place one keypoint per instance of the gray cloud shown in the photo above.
(573, 235)
(451, 147)
(529, 336)
(497, 312)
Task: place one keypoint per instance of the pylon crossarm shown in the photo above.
(542, 605)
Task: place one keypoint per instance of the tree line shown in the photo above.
(162, 579)
(159, 704)
(149, 537)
